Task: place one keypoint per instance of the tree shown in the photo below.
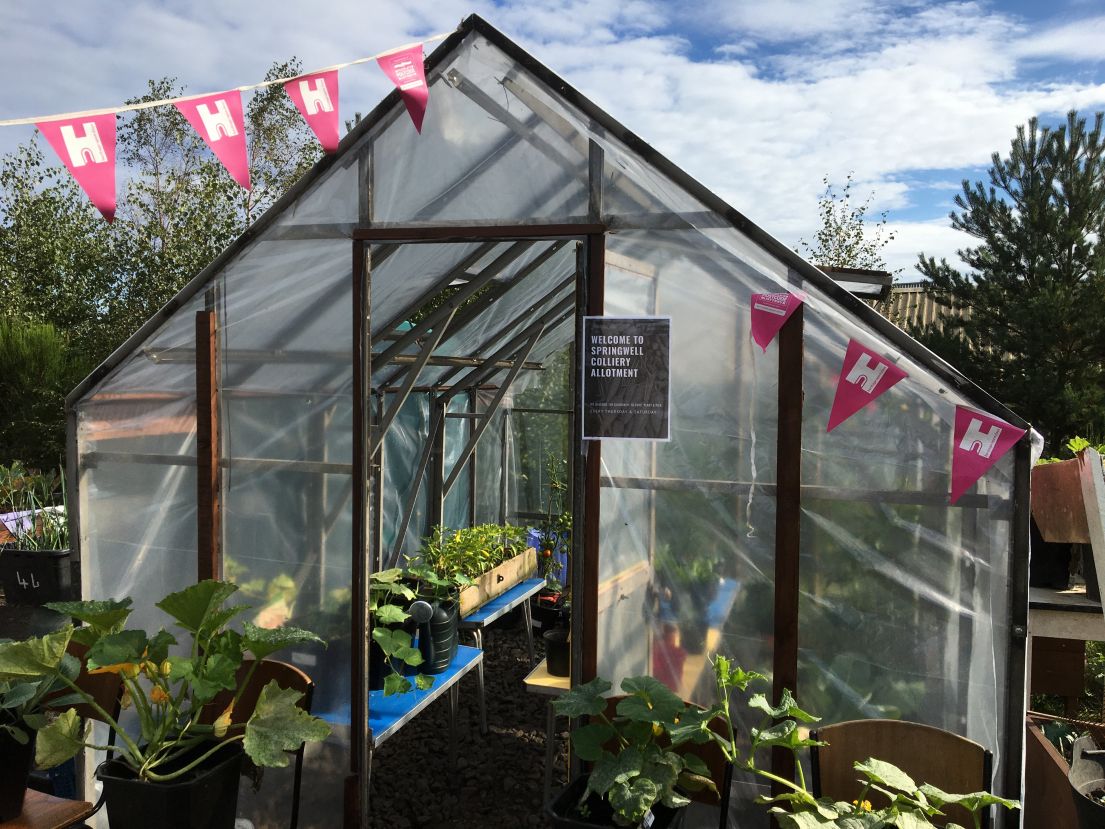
(1024, 319)
(39, 367)
(62, 265)
(842, 240)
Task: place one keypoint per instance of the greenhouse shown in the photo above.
(402, 342)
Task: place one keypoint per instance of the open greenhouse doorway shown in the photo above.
(465, 403)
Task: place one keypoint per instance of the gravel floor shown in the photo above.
(499, 777)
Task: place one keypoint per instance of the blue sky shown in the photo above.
(759, 99)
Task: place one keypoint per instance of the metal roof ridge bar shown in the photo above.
(476, 376)
(451, 305)
(481, 427)
(520, 319)
(475, 309)
(458, 269)
(472, 232)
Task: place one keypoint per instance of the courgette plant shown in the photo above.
(388, 597)
(167, 684)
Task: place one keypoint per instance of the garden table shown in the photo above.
(386, 715)
(487, 613)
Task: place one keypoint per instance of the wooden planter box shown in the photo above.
(1048, 800)
(498, 580)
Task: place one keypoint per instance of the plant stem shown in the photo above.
(162, 778)
(132, 747)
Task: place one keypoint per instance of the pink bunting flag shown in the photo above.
(86, 145)
(769, 313)
(980, 441)
(864, 376)
(316, 98)
(407, 72)
(218, 120)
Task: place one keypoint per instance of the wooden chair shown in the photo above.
(927, 754)
(286, 676)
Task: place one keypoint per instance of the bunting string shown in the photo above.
(13, 122)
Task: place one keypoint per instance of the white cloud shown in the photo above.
(1078, 40)
(889, 90)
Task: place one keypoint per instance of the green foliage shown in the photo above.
(469, 552)
(61, 264)
(634, 766)
(842, 240)
(168, 693)
(389, 596)
(1073, 446)
(41, 496)
(40, 365)
(279, 725)
(1023, 317)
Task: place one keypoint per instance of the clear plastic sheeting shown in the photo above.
(905, 601)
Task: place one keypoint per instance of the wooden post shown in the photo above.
(208, 506)
(788, 515)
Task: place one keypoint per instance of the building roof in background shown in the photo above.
(912, 304)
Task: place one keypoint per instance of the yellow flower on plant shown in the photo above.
(127, 669)
(223, 722)
(158, 695)
(865, 806)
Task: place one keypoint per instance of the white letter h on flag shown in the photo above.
(865, 373)
(316, 100)
(976, 440)
(83, 149)
(218, 124)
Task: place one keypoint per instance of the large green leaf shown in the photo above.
(59, 740)
(633, 800)
(583, 700)
(972, 801)
(396, 684)
(157, 649)
(693, 725)
(194, 606)
(34, 657)
(262, 642)
(614, 768)
(278, 725)
(803, 820)
(587, 742)
(126, 646)
(911, 820)
(649, 700)
(887, 774)
(787, 707)
(390, 614)
(15, 694)
(103, 616)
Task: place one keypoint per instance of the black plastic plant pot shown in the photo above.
(34, 577)
(548, 611)
(564, 811)
(1087, 781)
(444, 637)
(15, 761)
(558, 652)
(205, 798)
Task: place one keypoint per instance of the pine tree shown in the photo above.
(1024, 320)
